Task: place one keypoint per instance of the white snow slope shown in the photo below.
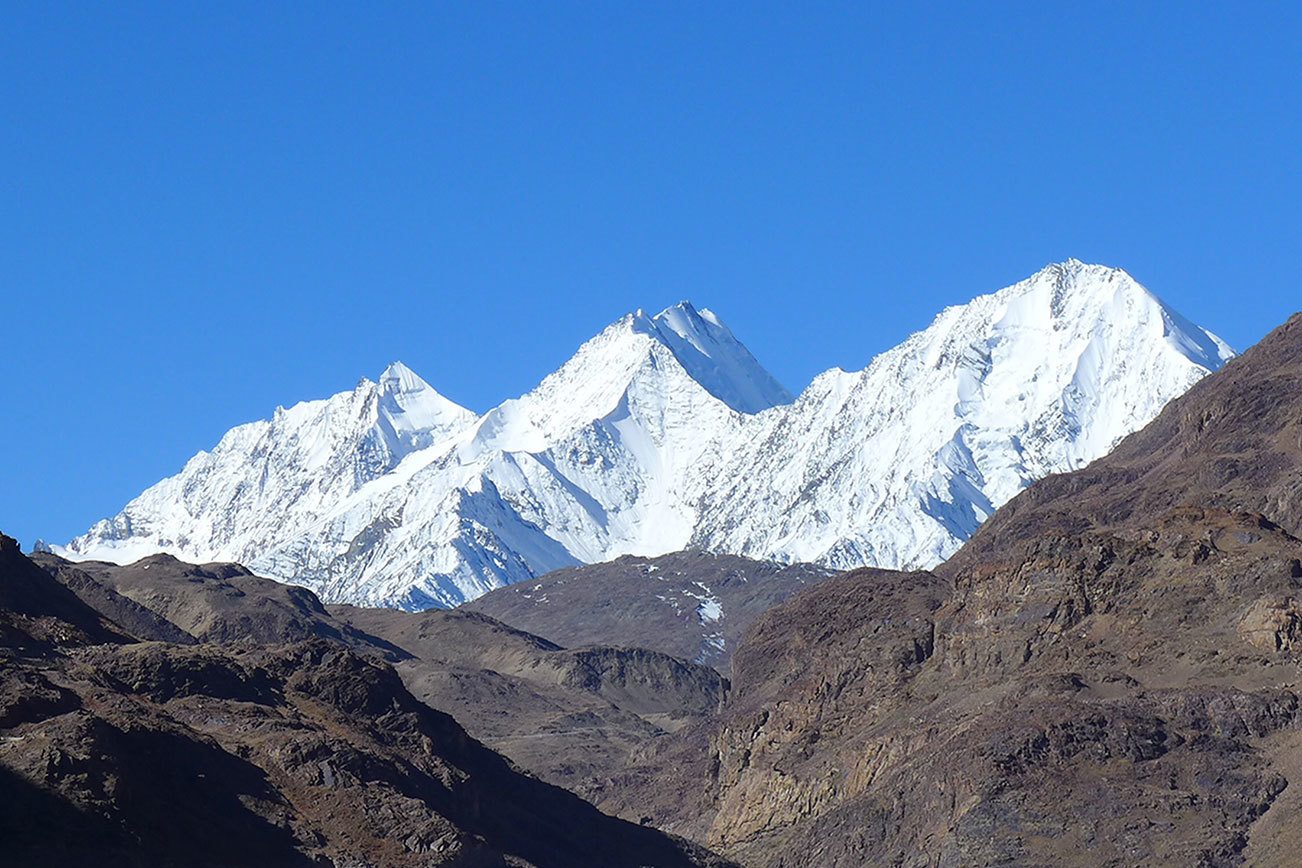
(663, 432)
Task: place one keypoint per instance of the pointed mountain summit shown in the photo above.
(664, 431)
(895, 465)
(707, 350)
(414, 413)
(640, 362)
(268, 479)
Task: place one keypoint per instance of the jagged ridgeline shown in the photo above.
(663, 433)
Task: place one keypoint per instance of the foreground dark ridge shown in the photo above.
(1108, 673)
(570, 716)
(122, 752)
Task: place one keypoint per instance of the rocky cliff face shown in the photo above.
(1106, 674)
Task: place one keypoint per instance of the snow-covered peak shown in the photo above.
(1053, 316)
(650, 438)
(1077, 355)
(677, 349)
(715, 358)
(1074, 297)
(896, 464)
(400, 378)
(271, 478)
(414, 412)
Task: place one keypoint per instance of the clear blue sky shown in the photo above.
(211, 209)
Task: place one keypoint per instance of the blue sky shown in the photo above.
(212, 209)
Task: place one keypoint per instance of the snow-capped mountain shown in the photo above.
(665, 431)
(592, 464)
(896, 465)
(266, 481)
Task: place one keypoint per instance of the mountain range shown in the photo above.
(1106, 672)
(663, 433)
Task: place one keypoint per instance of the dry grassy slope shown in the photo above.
(38, 612)
(572, 717)
(212, 602)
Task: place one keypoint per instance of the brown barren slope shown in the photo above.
(692, 605)
(117, 752)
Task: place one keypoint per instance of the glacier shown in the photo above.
(664, 432)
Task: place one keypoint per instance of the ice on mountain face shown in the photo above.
(664, 431)
(714, 358)
(413, 413)
(589, 465)
(267, 480)
(897, 464)
(675, 349)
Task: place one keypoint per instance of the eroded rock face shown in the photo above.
(1099, 696)
(1274, 625)
(854, 645)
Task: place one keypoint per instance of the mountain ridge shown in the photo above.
(281, 738)
(664, 432)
